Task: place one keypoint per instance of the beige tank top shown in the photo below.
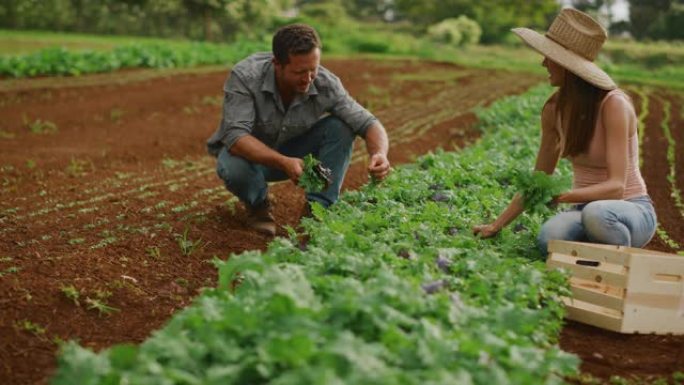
(590, 168)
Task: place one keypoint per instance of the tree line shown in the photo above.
(227, 20)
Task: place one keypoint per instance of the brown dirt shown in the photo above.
(102, 204)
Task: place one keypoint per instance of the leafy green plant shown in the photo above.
(386, 292)
(538, 189)
(678, 377)
(315, 177)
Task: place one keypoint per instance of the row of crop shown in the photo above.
(391, 288)
(676, 194)
(60, 61)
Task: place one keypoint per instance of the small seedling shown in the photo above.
(187, 245)
(6, 135)
(100, 306)
(154, 252)
(212, 100)
(10, 270)
(31, 327)
(71, 293)
(115, 115)
(39, 126)
(77, 167)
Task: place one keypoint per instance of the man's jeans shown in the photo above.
(629, 222)
(330, 140)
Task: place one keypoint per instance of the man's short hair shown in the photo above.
(294, 39)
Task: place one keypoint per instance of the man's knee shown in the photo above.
(232, 169)
(336, 129)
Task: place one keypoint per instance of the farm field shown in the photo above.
(111, 210)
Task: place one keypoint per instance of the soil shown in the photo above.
(119, 204)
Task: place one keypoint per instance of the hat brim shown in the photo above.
(575, 63)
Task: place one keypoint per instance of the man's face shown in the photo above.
(297, 75)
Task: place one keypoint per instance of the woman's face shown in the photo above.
(556, 72)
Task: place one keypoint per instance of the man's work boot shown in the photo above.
(260, 219)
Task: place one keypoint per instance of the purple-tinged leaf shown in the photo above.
(443, 263)
(432, 287)
(439, 197)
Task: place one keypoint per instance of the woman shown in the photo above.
(593, 124)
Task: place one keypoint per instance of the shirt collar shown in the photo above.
(269, 79)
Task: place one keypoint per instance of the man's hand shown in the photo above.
(379, 166)
(293, 167)
(486, 231)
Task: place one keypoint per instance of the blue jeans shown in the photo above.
(330, 140)
(630, 222)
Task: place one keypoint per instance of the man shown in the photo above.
(279, 107)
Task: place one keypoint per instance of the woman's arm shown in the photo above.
(547, 159)
(616, 118)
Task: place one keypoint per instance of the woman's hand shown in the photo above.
(486, 231)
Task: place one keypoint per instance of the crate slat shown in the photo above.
(606, 273)
(603, 253)
(593, 314)
(596, 293)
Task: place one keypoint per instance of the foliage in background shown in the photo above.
(496, 18)
(657, 19)
(210, 20)
(60, 61)
(391, 288)
(229, 20)
(458, 31)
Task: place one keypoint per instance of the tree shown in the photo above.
(647, 17)
(495, 17)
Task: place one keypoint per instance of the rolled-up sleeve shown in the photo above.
(349, 111)
(238, 111)
(237, 118)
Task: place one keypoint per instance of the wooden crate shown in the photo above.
(623, 289)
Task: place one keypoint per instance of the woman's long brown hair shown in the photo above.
(578, 105)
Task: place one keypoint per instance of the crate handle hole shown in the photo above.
(584, 262)
(668, 277)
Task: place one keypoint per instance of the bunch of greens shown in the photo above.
(537, 189)
(315, 177)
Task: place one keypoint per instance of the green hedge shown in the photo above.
(60, 61)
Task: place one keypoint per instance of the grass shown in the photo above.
(14, 42)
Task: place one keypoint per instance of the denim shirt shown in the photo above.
(252, 106)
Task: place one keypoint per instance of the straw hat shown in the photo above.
(573, 41)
